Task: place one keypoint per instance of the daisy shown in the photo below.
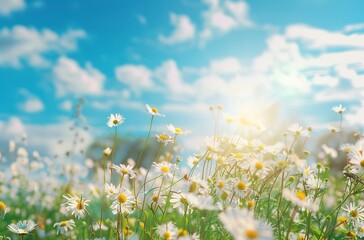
(167, 231)
(242, 225)
(177, 130)
(339, 109)
(179, 200)
(300, 199)
(153, 111)
(99, 225)
(110, 190)
(123, 201)
(157, 198)
(107, 151)
(359, 229)
(357, 162)
(192, 161)
(3, 209)
(298, 130)
(22, 227)
(164, 169)
(115, 120)
(76, 205)
(125, 170)
(355, 213)
(64, 226)
(163, 138)
(240, 186)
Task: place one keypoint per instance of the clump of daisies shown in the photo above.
(239, 184)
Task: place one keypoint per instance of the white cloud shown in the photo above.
(21, 44)
(46, 143)
(9, 6)
(354, 27)
(325, 81)
(32, 103)
(228, 65)
(170, 75)
(333, 94)
(137, 77)
(315, 38)
(71, 78)
(222, 17)
(66, 105)
(355, 116)
(184, 30)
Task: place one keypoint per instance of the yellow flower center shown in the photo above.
(259, 165)
(124, 171)
(362, 163)
(127, 231)
(155, 198)
(178, 130)
(347, 149)
(163, 137)
(251, 203)
(209, 158)
(183, 201)
(251, 234)
(122, 198)
(155, 110)
(301, 195)
(167, 235)
(115, 121)
(2, 206)
(220, 185)
(354, 213)
(241, 185)
(80, 205)
(165, 169)
(182, 232)
(361, 229)
(224, 196)
(238, 155)
(63, 223)
(342, 220)
(193, 187)
(351, 234)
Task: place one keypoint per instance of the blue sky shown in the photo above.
(304, 56)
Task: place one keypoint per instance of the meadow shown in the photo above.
(237, 187)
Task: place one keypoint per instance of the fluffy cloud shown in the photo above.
(21, 44)
(184, 30)
(70, 78)
(9, 6)
(137, 77)
(228, 65)
(223, 16)
(46, 143)
(32, 104)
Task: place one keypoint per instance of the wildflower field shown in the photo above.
(236, 187)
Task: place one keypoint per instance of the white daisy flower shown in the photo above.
(176, 130)
(157, 199)
(163, 138)
(164, 169)
(153, 111)
(300, 199)
(110, 190)
(167, 231)
(125, 170)
(99, 225)
(240, 186)
(64, 226)
(355, 213)
(123, 201)
(359, 229)
(115, 120)
(107, 151)
(242, 225)
(179, 200)
(298, 130)
(22, 227)
(339, 109)
(76, 205)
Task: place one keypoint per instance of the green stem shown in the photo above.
(145, 142)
